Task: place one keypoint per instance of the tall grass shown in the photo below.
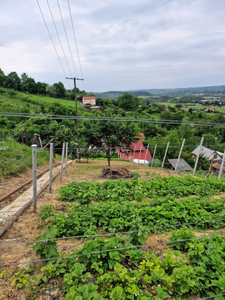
(17, 158)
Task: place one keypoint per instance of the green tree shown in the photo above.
(24, 80)
(41, 88)
(2, 77)
(60, 90)
(12, 92)
(12, 81)
(128, 102)
(31, 86)
(108, 135)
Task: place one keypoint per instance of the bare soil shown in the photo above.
(116, 173)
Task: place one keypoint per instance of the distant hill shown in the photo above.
(116, 94)
(178, 92)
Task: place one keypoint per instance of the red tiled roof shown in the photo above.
(138, 147)
(89, 98)
(217, 166)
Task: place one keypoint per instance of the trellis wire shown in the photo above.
(110, 250)
(111, 233)
(114, 119)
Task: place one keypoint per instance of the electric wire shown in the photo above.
(52, 41)
(75, 40)
(59, 37)
(110, 119)
(115, 249)
(67, 39)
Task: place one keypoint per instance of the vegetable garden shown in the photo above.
(115, 220)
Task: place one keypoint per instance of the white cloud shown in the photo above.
(123, 44)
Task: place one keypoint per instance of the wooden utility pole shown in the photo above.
(77, 122)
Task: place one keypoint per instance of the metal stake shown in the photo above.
(221, 167)
(62, 162)
(179, 154)
(153, 156)
(66, 157)
(134, 152)
(146, 154)
(34, 161)
(50, 168)
(197, 158)
(164, 158)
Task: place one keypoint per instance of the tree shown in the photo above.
(60, 90)
(24, 80)
(2, 77)
(31, 86)
(12, 81)
(12, 92)
(41, 88)
(128, 102)
(107, 135)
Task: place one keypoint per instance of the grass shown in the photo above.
(22, 99)
(17, 158)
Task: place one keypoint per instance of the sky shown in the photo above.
(122, 44)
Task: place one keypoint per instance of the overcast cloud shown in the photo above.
(126, 44)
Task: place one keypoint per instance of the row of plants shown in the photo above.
(130, 273)
(122, 190)
(111, 217)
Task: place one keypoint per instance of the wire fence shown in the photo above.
(111, 250)
(111, 119)
(109, 234)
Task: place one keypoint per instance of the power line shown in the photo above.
(75, 40)
(52, 41)
(112, 119)
(58, 36)
(67, 39)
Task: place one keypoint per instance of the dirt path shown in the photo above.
(10, 184)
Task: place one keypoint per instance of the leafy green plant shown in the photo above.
(47, 248)
(136, 175)
(182, 234)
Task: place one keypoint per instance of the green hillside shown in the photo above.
(33, 101)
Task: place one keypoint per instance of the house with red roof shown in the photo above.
(89, 100)
(209, 109)
(136, 152)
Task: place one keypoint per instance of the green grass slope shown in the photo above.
(17, 158)
(21, 99)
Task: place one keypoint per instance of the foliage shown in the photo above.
(12, 92)
(17, 158)
(128, 102)
(181, 234)
(46, 248)
(121, 190)
(109, 135)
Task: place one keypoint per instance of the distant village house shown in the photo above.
(208, 153)
(89, 100)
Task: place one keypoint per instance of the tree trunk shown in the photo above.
(108, 156)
